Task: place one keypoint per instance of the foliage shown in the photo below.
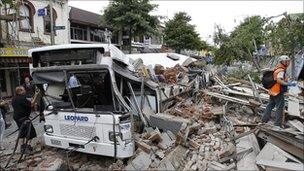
(283, 37)
(179, 34)
(132, 16)
(287, 36)
(8, 2)
(240, 43)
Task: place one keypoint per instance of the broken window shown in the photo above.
(149, 95)
(94, 91)
(66, 57)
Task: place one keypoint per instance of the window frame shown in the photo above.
(54, 20)
(32, 12)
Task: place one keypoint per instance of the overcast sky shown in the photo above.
(205, 14)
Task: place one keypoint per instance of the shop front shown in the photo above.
(14, 67)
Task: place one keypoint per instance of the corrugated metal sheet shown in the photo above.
(159, 58)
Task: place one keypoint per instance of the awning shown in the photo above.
(13, 52)
(14, 60)
(10, 55)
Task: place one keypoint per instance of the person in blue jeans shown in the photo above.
(276, 92)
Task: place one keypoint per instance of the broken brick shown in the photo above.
(194, 144)
(155, 137)
(239, 129)
(179, 138)
(143, 146)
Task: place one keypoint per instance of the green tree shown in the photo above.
(179, 34)
(132, 16)
(9, 2)
(286, 36)
(240, 44)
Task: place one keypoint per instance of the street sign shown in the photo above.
(42, 12)
(59, 27)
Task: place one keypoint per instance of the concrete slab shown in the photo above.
(247, 161)
(142, 161)
(271, 152)
(168, 122)
(166, 142)
(171, 135)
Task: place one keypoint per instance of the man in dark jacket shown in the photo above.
(22, 110)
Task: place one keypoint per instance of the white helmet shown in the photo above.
(284, 58)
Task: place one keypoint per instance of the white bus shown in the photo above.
(89, 94)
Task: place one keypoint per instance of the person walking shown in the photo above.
(3, 105)
(22, 110)
(277, 91)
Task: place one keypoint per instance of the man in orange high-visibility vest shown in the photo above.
(277, 91)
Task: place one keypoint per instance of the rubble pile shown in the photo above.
(153, 146)
(171, 75)
(207, 128)
(219, 128)
(201, 110)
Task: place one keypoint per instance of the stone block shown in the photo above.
(167, 122)
(142, 161)
(229, 150)
(166, 141)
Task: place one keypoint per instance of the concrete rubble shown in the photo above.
(220, 129)
(213, 127)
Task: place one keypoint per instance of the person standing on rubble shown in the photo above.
(22, 110)
(277, 91)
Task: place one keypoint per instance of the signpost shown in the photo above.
(59, 27)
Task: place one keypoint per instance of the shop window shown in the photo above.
(78, 33)
(47, 20)
(27, 12)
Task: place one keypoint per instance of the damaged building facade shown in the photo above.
(23, 27)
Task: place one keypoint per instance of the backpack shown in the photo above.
(268, 80)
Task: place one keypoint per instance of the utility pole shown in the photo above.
(52, 23)
(0, 34)
(6, 25)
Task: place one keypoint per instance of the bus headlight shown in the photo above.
(125, 126)
(48, 128)
(111, 135)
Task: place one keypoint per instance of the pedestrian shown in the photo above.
(2, 128)
(277, 91)
(3, 105)
(22, 110)
(3, 112)
(29, 87)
